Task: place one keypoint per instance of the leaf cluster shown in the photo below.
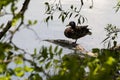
(104, 66)
(117, 6)
(112, 35)
(72, 12)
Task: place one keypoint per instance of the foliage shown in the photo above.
(105, 66)
(50, 63)
(112, 35)
(57, 7)
(117, 6)
(40, 62)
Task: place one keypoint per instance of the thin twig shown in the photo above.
(34, 32)
(12, 33)
(15, 46)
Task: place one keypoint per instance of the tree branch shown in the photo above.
(2, 33)
(71, 45)
(9, 24)
(25, 6)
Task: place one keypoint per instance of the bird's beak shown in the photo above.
(67, 25)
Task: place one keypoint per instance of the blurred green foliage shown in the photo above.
(49, 64)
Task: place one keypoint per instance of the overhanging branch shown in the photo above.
(9, 23)
(2, 33)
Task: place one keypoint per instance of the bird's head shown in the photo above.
(72, 24)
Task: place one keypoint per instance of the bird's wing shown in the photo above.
(84, 26)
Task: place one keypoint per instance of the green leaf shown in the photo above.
(60, 16)
(109, 45)
(5, 2)
(50, 49)
(60, 9)
(95, 50)
(83, 19)
(75, 9)
(35, 76)
(46, 3)
(15, 19)
(63, 18)
(2, 68)
(60, 51)
(19, 71)
(82, 2)
(48, 7)
(2, 54)
(35, 22)
(35, 51)
(71, 6)
(56, 61)
(56, 48)
(110, 61)
(48, 65)
(117, 6)
(117, 9)
(13, 8)
(114, 43)
(28, 69)
(50, 52)
(76, 15)
(5, 78)
(2, 25)
(46, 20)
(44, 52)
(70, 15)
(51, 17)
(29, 22)
(38, 69)
(79, 21)
(18, 60)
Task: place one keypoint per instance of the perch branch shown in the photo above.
(71, 45)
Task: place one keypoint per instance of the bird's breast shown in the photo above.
(70, 33)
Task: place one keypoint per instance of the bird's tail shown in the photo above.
(89, 33)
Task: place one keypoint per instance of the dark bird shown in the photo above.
(76, 32)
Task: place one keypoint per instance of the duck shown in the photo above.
(76, 32)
